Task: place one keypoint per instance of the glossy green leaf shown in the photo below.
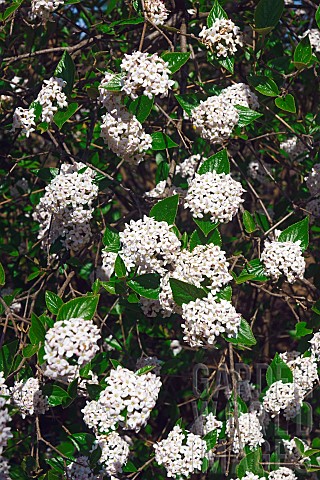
(82, 307)
(205, 224)
(303, 53)
(37, 332)
(2, 275)
(141, 107)
(286, 103)
(189, 101)
(298, 232)
(165, 210)
(254, 271)
(120, 267)
(248, 222)
(302, 330)
(278, 370)
(183, 292)
(53, 302)
(66, 70)
(7, 356)
(246, 115)
(250, 463)
(218, 163)
(175, 60)
(147, 285)
(56, 394)
(161, 141)
(62, 116)
(216, 13)
(111, 239)
(115, 84)
(244, 337)
(224, 293)
(267, 14)
(199, 238)
(264, 85)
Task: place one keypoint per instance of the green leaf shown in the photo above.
(66, 70)
(82, 441)
(205, 225)
(251, 463)
(165, 210)
(115, 84)
(129, 467)
(37, 110)
(264, 85)
(278, 370)
(2, 275)
(218, 163)
(245, 336)
(175, 60)
(210, 439)
(286, 103)
(224, 294)
(53, 302)
(56, 395)
(7, 356)
(120, 267)
(161, 141)
(189, 101)
(147, 285)
(317, 17)
(83, 307)
(144, 370)
(198, 238)
(111, 240)
(37, 331)
(216, 13)
(62, 116)
(297, 232)
(303, 53)
(267, 14)
(248, 222)
(254, 270)
(227, 63)
(8, 11)
(141, 107)
(183, 292)
(246, 115)
(301, 330)
(30, 350)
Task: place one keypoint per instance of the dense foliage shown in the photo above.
(160, 226)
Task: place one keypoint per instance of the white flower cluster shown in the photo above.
(251, 476)
(115, 452)
(4, 469)
(181, 453)
(215, 118)
(156, 11)
(66, 208)
(205, 319)
(75, 339)
(211, 423)
(315, 345)
(160, 190)
(283, 397)
(216, 194)
(149, 245)
(293, 147)
(80, 470)
(29, 398)
(137, 394)
(120, 129)
(283, 258)
(50, 93)
(188, 167)
(43, 8)
(24, 118)
(145, 75)
(5, 431)
(305, 373)
(223, 37)
(283, 473)
(108, 261)
(240, 94)
(313, 180)
(124, 135)
(250, 431)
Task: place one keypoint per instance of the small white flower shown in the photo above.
(283, 258)
(29, 398)
(283, 398)
(156, 11)
(223, 37)
(283, 473)
(250, 431)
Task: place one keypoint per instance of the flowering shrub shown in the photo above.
(160, 220)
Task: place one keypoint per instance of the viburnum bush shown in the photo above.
(160, 227)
